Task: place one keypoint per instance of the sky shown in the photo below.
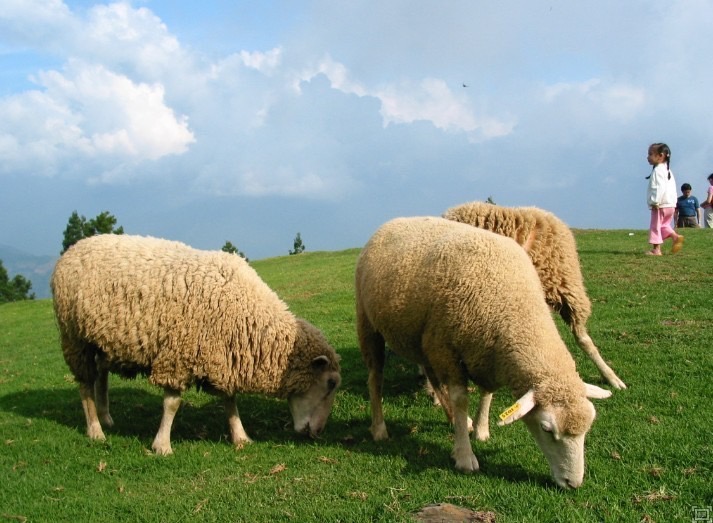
(250, 122)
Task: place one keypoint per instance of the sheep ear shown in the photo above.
(320, 363)
(595, 392)
(518, 409)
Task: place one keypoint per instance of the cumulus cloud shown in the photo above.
(430, 100)
(87, 110)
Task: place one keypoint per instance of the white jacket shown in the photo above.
(662, 190)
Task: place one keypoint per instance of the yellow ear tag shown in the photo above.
(510, 411)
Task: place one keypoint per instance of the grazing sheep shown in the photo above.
(134, 305)
(553, 251)
(467, 304)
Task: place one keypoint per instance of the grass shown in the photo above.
(649, 455)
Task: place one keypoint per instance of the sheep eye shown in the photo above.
(546, 426)
(331, 384)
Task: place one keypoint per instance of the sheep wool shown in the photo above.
(141, 305)
(466, 303)
(553, 250)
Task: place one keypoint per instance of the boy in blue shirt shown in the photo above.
(688, 213)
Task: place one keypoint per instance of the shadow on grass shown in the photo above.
(137, 413)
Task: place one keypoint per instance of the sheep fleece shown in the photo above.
(453, 296)
(180, 315)
(548, 241)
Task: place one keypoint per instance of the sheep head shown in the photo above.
(559, 428)
(312, 380)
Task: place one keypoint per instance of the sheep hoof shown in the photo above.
(239, 443)
(379, 433)
(617, 383)
(95, 432)
(467, 464)
(162, 450)
(482, 435)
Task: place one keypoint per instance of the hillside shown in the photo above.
(37, 269)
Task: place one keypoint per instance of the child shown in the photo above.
(687, 214)
(708, 204)
(661, 199)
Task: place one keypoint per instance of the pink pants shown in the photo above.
(660, 227)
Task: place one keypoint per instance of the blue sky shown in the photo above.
(251, 121)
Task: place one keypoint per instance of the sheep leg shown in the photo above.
(373, 351)
(162, 441)
(376, 384)
(237, 433)
(101, 393)
(462, 451)
(441, 392)
(428, 387)
(94, 428)
(482, 427)
(587, 345)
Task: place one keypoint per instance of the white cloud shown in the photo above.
(119, 116)
(335, 72)
(619, 102)
(430, 100)
(89, 111)
(266, 63)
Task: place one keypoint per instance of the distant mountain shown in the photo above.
(37, 269)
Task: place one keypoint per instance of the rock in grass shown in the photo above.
(447, 513)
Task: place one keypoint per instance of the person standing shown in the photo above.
(661, 198)
(708, 204)
(688, 213)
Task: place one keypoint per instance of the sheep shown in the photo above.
(553, 252)
(140, 305)
(465, 303)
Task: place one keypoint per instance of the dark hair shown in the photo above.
(686, 187)
(662, 148)
(710, 176)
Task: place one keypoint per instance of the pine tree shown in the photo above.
(78, 228)
(298, 246)
(232, 249)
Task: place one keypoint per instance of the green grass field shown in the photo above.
(649, 455)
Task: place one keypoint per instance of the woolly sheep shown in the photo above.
(553, 251)
(137, 305)
(467, 304)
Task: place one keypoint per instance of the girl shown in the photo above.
(661, 199)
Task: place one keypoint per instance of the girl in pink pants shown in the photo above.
(661, 198)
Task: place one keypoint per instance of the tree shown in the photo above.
(78, 228)
(232, 249)
(298, 246)
(16, 289)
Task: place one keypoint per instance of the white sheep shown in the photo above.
(553, 251)
(134, 305)
(467, 304)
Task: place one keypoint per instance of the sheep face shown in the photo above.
(564, 451)
(310, 409)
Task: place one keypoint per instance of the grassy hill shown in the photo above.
(649, 455)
